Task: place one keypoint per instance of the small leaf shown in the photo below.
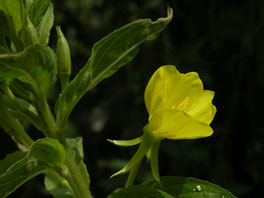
(35, 65)
(140, 191)
(38, 10)
(108, 55)
(44, 154)
(181, 187)
(45, 25)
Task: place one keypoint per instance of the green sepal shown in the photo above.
(154, 161)
(132, 142)
(146, 144)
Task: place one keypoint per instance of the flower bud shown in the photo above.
(29, 35)
(63, 58)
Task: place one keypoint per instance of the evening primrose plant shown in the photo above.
(178, 106)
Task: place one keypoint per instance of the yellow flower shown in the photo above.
(178, 105)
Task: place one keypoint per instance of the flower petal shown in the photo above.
(175, 124)
(182, 91)
(203, 109)
(169, 89)
(155, 87)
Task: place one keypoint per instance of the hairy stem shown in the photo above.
(77, 178)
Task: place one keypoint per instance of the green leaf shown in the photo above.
(181, 187)
(45, 25)
(36, 66)
(56, 189)
(23, 110)
(140, 191)
(10, 159)
(61, 189)
(14, 12)
(43, 155)
(108, 55)
(48, 150)
(37, 10)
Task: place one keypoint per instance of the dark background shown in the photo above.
(221, 40)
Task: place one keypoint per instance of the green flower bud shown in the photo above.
(29, 35)
(63, 58)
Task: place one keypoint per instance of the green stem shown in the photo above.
(77, 178)
(12, 123)
(79, 185)
(132, 174)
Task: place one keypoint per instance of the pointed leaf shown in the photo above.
(108, 55)
(45, 25)
(44, 154)
(37, 10)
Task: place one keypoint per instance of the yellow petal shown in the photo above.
(182, 91)
(203, 109)
(155, 87)
(175, 124)
(169, 89)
